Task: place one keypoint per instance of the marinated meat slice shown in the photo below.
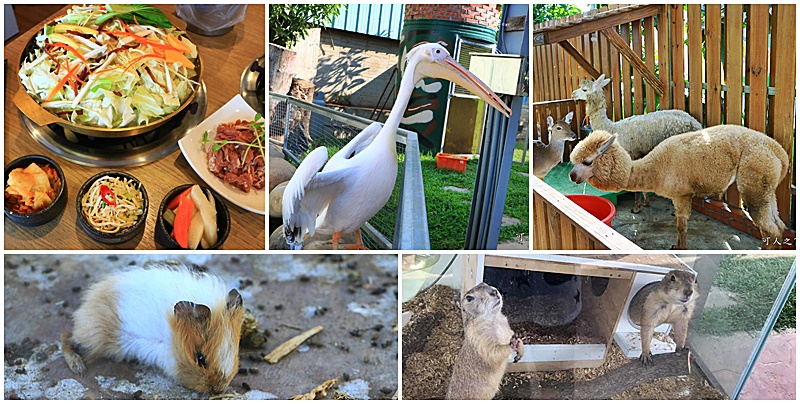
(236, 164)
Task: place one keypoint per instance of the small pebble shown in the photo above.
(138, 395)
(355, 333)
(386, 390)
(47, 270)
(21, 371)
(260, 307)
(246, 386)
(386, 344)
(26, 284)
(242, 371)
(346, 376)
(236, 260)
(51, 278)
(278, 307)
(253, 371)
(378, 291)
(377, 327)
(130, 264)
(112, 258)
(76, 289)
(304, 278)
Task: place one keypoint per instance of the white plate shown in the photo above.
(195, 151)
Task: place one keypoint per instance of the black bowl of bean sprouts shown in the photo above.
(112, 207)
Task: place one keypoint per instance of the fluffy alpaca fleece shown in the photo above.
(637, 134)
(704, 162)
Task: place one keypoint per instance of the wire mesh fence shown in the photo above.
(300, 127)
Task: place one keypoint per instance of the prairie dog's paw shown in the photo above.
(518, 347)
(646, 359)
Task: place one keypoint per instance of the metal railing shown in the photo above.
(299, 127)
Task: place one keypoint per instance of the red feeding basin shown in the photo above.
(600, 208)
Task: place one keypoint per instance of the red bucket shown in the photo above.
(600, 208)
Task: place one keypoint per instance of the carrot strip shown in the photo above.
(61, 83)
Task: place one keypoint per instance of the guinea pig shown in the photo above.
(178, 318)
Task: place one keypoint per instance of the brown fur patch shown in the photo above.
(223, 329)
(96, 322)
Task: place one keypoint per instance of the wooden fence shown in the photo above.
(692, 57)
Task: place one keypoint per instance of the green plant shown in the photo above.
(289, 23)
(547, 12)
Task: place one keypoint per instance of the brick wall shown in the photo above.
(483, 14)
(354, 67)
(737, 219)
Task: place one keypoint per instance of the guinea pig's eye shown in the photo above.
(587, 163)
(201, 359)
(438, 51)
(470, 298)
(672, 278)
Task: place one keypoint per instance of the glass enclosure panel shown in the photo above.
(572, 314)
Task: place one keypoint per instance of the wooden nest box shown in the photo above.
(566, 309)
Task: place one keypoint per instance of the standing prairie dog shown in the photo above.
(177, 318)
(488, 343)
(668, 301)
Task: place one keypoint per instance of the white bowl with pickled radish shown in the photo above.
(192, 217)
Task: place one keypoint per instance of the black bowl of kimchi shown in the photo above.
(24, 216)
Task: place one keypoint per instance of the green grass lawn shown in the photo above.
(754, 282)
(448, 211)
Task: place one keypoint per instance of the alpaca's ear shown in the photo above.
(606, 145)
(550, 122)
(568, 118)
(599, 79)
(602, 83)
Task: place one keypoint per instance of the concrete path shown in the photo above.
(775, 374)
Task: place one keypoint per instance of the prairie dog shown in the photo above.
(179, 319)
(488, 343)
(668, 301)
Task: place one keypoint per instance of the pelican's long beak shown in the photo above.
(449, 69)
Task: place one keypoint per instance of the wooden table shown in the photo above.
(225, 58)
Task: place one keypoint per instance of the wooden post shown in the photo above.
(733, 76)
(757, 68)
(650, 61)
(781, 111)
(695, 53)
(664, 64)
(713, 65)
(676, 31)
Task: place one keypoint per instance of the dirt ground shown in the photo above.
(354, 297)
(433, 336)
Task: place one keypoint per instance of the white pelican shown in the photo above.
(359, 178)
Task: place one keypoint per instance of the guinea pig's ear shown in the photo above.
(192, 312)
(234, 300)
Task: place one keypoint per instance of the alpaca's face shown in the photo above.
(585, 153)
(587, 87)
(582, 92)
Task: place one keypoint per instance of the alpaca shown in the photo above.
(637, 134)
(705, 162)
(547, 156)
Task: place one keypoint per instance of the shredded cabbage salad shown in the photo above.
(109, 75)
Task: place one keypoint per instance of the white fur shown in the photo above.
(146, 301)
(637, 134)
